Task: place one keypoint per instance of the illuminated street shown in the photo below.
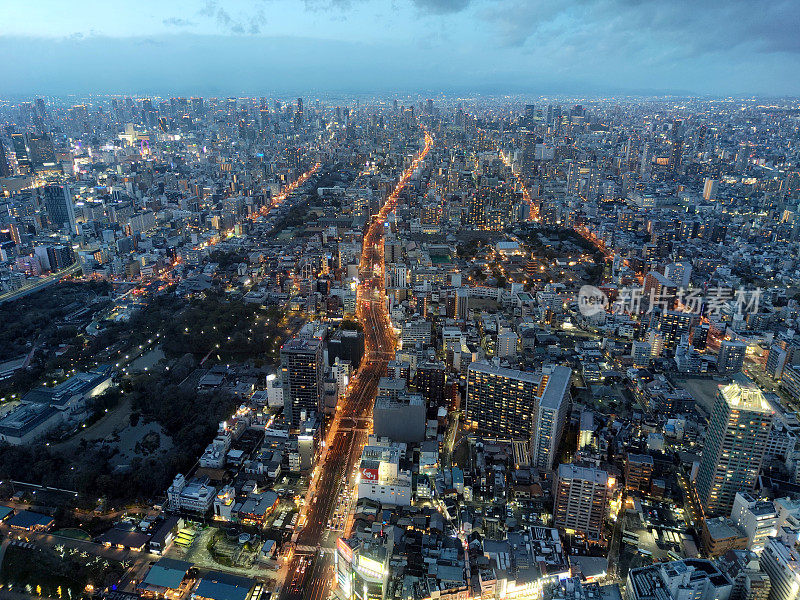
(309, 574)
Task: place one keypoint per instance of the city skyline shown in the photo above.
(400, 300)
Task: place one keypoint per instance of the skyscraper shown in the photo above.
(430, 382)
(302, 372)
(21, 153)
(734, 448)
(298, 115)
(42, 151)
(552, 405)
(501, 401)
(520, 405)
(5, 167)
(676, 153)
(57, 202)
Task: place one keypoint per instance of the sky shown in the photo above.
(263, 47)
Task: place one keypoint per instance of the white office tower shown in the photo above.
(757, 518)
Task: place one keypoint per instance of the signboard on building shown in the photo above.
(369, 474)
(344, 550)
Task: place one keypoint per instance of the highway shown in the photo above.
(41, 283)
(309, 573)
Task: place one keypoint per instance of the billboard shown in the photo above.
(344, 550)
(369, 475)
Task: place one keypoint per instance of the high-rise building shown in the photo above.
(298, 115)
(302, 373)
(710, 187)
(641, 352)
(41, 149)
(430, 381)
(520, 405)
(552, 406)
(581, 501)
(57, 202)
(736, 439)
(673, 325)
(501, 401)
(401, 419)
(658, 292)
(679, 273)
(60, 257)
(5, 166)
(676, 153)
(507, 343)
(21, 153)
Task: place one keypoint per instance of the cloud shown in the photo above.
(690, 27)
(247, 23)
(438, 7)
(177, 22)
(441, 6)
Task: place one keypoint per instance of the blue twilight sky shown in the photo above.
(492, 46)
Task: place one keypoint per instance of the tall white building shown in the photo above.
(551, 413)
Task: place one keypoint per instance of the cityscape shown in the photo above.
(386, 330)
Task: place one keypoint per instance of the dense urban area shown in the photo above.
(399, 348)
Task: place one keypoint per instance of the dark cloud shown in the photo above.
(669, 28)
(238, 25)
(441, 6)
